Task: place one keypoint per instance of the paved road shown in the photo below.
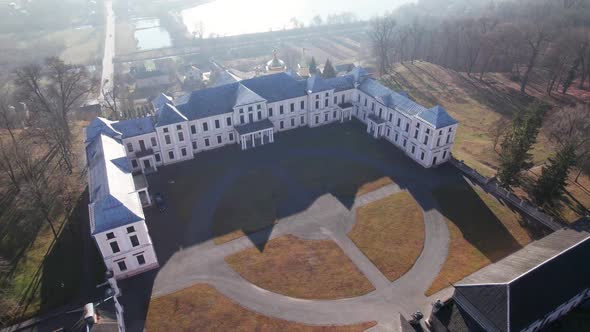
(324, 217)
(109, 49)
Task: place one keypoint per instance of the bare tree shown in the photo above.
(382, 37)
(536, 37)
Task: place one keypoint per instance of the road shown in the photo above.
(109, 49)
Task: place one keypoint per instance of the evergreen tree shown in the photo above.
(313, 66)
(551, 185)
(329, 70)
(515, 153)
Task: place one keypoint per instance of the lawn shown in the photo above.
(202, 308)
(305, 269)
(390, 232)
(482, 231)
(251, 204)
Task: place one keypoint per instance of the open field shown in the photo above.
(202, 308)
(306, 269)
(390, 232)
(482, 231)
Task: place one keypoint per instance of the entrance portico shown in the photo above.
(255, 133)
(147, 161)
(375, 125)
(346, 111)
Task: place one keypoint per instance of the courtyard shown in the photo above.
(326, 227)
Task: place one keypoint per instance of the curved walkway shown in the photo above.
(325, 217)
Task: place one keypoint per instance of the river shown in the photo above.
(235, 17)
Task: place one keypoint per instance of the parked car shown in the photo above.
(160, 202)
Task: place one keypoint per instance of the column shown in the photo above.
(272, 136)
(349, 114)
(369, 126)
(253, 140)
(376, 132)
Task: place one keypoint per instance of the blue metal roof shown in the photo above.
(169, 114)
(437, 117)
(276, 87)
(341, 83)
(135, 127)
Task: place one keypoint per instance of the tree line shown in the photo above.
(502, 36)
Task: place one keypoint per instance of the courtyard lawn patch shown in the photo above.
(202, 308)
(305, 269)
(390, 232)
(250, 204)
(482, 231)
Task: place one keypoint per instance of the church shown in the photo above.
(247, 113)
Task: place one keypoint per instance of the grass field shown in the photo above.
(306, 269)
(390, 232)
(482, 231)
(202, 308)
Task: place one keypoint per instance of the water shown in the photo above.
(150, 35)
(234, 17)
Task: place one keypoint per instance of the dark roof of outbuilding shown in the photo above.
(537, 279)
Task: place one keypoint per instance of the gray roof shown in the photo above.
(114, 201)
(168, 115)
(254, 127)
(317, 84)
(135, 127)
(535, 280)
(437, 117)
(390, 98)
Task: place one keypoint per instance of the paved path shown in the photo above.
(324, 218)
(109, 49)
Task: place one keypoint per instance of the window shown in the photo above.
(388, 132)
(122, 266)
(183, 152)
(293, 122)
(180, 136)
(130, 229)
(292, 107)
(231, 137)
(281, 125)
(407, 127)
(228, 121)
(258, 107)
(372, 106)
(114, 247)
(140, 259)
(281, 109)
(194, 145)
(399, 122)
(326, 103)
(422, 156)
(448, 139)
(302, 105)
(205, 126)
(427, 131)
(335, 100)
(358, 98)
(167, 139)
(171, 154)
(413, 149)
(219, 140)
(158, 159)
(405, 141)
(450, 129)
(206, 142)
(335, 114)
(342, 99)
(154, 142)
(193, 129)
(440, 132)
(241, 110)
(166, 129)
(390, 117)
(438, 142)
(326, 117)
(250, 109)
(317, 104)
(417, 124)
(110, 236)
(259, 115)
(241, 119)
(302, 120)
(134, 240)
(425, 140)
(217, 125)
(444, 154)
(317, 119)
(416, 134)
(129, 147)
(134, 163)
(396, 136)
(270, 111)
(317, 96)
(178, 127)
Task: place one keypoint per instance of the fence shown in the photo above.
(494, 188)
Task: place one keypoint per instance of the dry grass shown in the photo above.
(482, 231)
(374, 185)
(306, 269)
(390, 232)
(202, 308)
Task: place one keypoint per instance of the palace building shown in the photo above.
(247, 113)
